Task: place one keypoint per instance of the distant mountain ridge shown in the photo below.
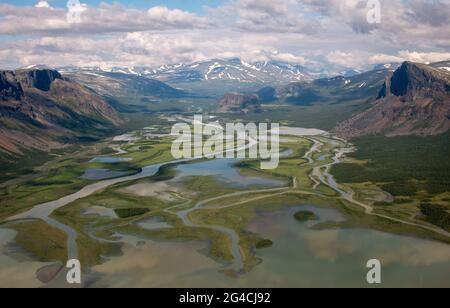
(233, 69)
(108, 83)
(42, 110)
(268, 72)
(415, 100)
(362, 86)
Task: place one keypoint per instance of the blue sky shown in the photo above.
(194, 6)
(319, 33)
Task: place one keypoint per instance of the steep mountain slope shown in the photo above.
(444, 65)
(414, 101)
(328, 90)
(239, 103)
(41, 110)
(121, 83)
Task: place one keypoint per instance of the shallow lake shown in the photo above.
(101, 174)
(222, 170)
(101, 211)
(300, 257)
(110, 160)
(16, 271)
(154, 223)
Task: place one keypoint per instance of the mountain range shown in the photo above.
(414, 100)
(234, 70)
(42, 110)
(120, 83)
(335, 89)
(261, 72)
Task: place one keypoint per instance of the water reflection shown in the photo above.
(302, 256)
(222, 170)
(16, 271)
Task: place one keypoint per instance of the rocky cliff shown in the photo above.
(415, 100)
(239, 103)
(39, 109)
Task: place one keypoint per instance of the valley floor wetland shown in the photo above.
(138, 218)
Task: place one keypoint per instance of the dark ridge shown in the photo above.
(39, 79)
(9, 87)
(412, 77)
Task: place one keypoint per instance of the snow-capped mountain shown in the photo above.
(444, 66)
(120, 82)
(262, 73)
(390, 66)
(350, 73)
(232, 70)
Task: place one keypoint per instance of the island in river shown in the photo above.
(234, 222)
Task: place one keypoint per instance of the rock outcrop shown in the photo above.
(414, 101)
(41, 110)
(239, 103)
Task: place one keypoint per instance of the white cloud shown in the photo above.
(269, 16)
(175, 17)
(43, 4)
(106, 18)
(284, 57)
(383, 58)
(363, 59)
(348, 59)
(424, 57)
(330, 33)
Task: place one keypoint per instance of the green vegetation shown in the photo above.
(59, 181)
(238, 218)
(403, 166)
(323, 115)
(303, 216)
(438, 215)
(133, 212)
(44, 242)
(263, 244)
(13, 166)
(219, 243)
(356, 218)
(234, 211)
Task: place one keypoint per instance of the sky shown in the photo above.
(193, 6)
(321, 34)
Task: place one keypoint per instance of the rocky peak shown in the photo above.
(411, 79)
(414, 101)
(9, 87)
(239, 103)
(38, 78)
